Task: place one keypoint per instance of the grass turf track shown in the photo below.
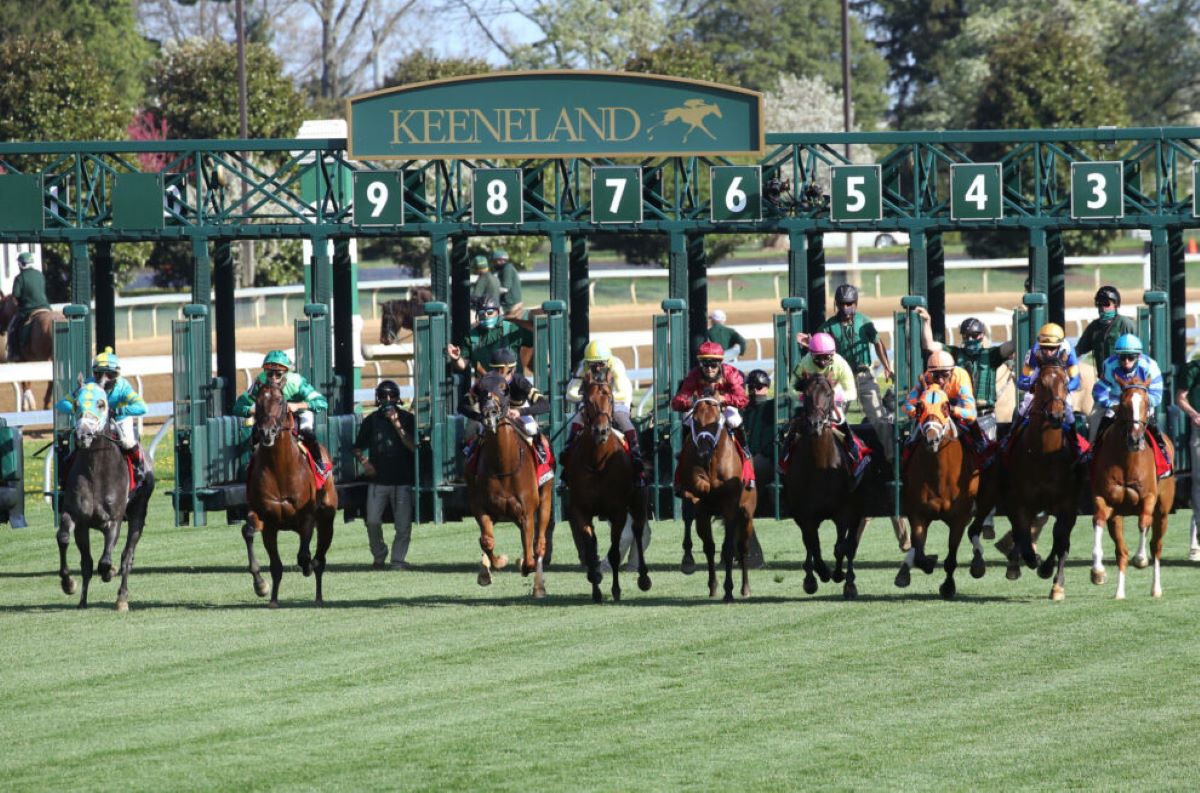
(422, 679)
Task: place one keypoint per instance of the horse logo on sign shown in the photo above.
(693, 112)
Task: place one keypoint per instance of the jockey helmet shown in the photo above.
(596, 351)
(710, 350)
(822, 344)
(387, 393)
(846, 293)
(24, 259)
(971, 327)
(716, 315)
(940, 361)
(276, 359)
(107, 361)
(499, 256)
(1128, 344)
(1107, 294)
(1050, 334)
(480, 263)
(758, 379)
(502, 358)
(487, 312)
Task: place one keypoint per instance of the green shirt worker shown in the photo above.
(726, 336)
(487, 285)
(511, 301)
(1099, 338)
(385, 449)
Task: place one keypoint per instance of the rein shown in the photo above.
(506, 421)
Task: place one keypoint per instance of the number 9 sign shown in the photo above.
(378, 198)
(736, 193)
(496, 196)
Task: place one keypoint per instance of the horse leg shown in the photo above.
(728, 549)
(849, 550)
(487, 541)
(687, 565)
(531, 562)
(131, 541)
(248, 532)
(543, 527)
(914, 554)
(976, 535)
(47, 397)
(65, 529)
(704, 532)
(948, 589)
(270, 538)
(1116, 529)
(1194, 543)
(1156, 544)
(746, 535)
(1099, 519)
(812, 547)
(591, 555)
(639, 536)
(83, 541)
(617, 529)
(112, 533)
(324, 540)
(1140, 560)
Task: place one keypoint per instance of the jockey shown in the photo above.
(124, 404)
(727, 383)
(600, 363)
(956, 384)
(823, 359)
(303, 400)
(489, 334)
(1051, 346)
(29, 290)
(1129, 364)
(524, 403)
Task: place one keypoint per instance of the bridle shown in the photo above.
(1137, 425)
(817, 412)
(268, 423)
(1046, 401)
(703, 439)
(592, 414)
(493, 414)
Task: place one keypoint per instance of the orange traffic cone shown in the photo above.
(1192, 246)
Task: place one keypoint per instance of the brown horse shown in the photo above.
(818, 486)
(1124, 482)
(598, 479)
(282, 492)
(504, 487)
(399, 314)
(939, 484)
(711, 473)
(38, 347)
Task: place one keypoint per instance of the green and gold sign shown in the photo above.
(555, 114)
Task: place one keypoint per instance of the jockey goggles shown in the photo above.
(275, 372)
(823, 360)
(1128, 356)
(710, 363)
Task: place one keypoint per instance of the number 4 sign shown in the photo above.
(975, 191)
(736, 193)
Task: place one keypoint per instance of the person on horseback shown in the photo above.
(302, 399)
(489, 334)
(727, 384)
(1129, 364)
(1100, 339)
(510, 285)
(1051, 348)
(954, 381)
(124, 405)
(525, 403)
(822, 359)
(487, 285)
(29, 290)
(599, 362)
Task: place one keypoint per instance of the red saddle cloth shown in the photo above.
(1162, 466)
(319, 477)
(747, 465)
(128, 468)
(545, 471)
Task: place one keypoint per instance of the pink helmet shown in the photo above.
(821, 344)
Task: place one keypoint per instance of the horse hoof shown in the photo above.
(319, 602)
(728, 597)
(68, 586)
(1057, 593)
(260, 588)
(822, 571)
(539, 593)
(948, 590)
(106, 573)
(712, 591)
(1194, 555)
(1046, 568)
(1034, 562)
(810, 585)
(1013, 573)
(122, 606)
(1156, 593)
(928, 564)
(82, 605)
(644, 583)
(838, 576)
(687, 566)
(903, 578)
(850, 591)
(746, 591)
(597, 596)
(274, 604)
(1141, 562)
(500, 563)
(616, 595)
(594, 578)
(988, 533)
(306, 571)
(1099, 577)
(485, 577)
(978, 567)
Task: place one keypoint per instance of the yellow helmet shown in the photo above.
(596, 351)
(1050, 333)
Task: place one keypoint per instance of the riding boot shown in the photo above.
(1156, 433)
(635, 458)
(138, 459)
(309, 439)
(539, 449)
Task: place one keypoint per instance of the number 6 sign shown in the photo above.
(736, 193)
(496, 196)
(378, 198)
(855, 192)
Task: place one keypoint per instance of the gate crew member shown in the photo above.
(302, 399)
(759, 420)
(124, 404)
(510, 285)
(525, 403)
(387, 434)
(486, 286)
(1100, 339)
(29, 290)
(855, 335)
(1129, 364)
(956, 384)
(489, 334)
(724, 335)
(601, 364)
(1051, 346)
(726, 381)
(822, 359)
(1187, 399)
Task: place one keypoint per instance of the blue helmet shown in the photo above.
(1128, 344)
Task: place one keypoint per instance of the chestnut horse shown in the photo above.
(397, 315)
(39, 347)
(504, 487)
(282, 492)
(818, 486)
(599, 479)
(1124, 482)
(939, 484)
(712, 481)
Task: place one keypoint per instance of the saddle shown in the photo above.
(1162, 463)
(545, 470)
(129, 469)
(313, 466)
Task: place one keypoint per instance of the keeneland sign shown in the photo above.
(555, 114)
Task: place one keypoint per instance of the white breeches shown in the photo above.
(1027, 400)
(732, 417)
(126, 432)
(530, 425)
(305, 417)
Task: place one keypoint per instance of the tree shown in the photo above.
(1154, 57)
(684, 57)
(419, 67)
(353, 36)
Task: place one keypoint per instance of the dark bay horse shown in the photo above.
(1124, 482)
(818, 486)
(711, 469)
(39, 345)
(398, 314)
(96, 496)
(599, 480)
(282, 491)
(939, 484)
(504, 487)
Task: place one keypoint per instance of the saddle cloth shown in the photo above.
(1162, 465)
(319, 477)
(545, 470)
(128, 468)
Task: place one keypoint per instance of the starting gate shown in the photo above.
(671, 356)
(72, 357)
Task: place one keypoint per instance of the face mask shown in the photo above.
(757, 398)
(973, 345)
(848, 312)
(489, 322)
(1108, 316)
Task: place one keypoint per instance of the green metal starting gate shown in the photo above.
(671, 354)
(72, 360)
(787, 355)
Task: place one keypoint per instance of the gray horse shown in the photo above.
(96, 496)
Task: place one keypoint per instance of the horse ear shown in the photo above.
(79, 380)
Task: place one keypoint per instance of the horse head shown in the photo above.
(598, 408)
(1050, 393)
(818, 405)
(1134, 412)
(271, 414)
(8, 310)
(390, 322)
(707, 422)
(91, 413)
(491, 394)
(933, 415)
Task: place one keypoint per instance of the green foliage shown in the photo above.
(194, 87)
(420, 67)
(128, 257)
(583, 34)
(1153, 55)
(682, 58)
(278, 262)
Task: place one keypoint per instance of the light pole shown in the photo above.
(847, 124)
(243, 124)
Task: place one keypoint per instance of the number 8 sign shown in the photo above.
(378, 198)
(855, 192)
(736, 193)
(496, 196)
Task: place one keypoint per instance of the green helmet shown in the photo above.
(499, 255)
(277, 358)
(480, 263)
(1128, 344)
(25, 258)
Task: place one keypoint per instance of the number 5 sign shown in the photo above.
(496, 196)
(736, 193)
(1097, 190)
(379, 198)
(855, 192)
